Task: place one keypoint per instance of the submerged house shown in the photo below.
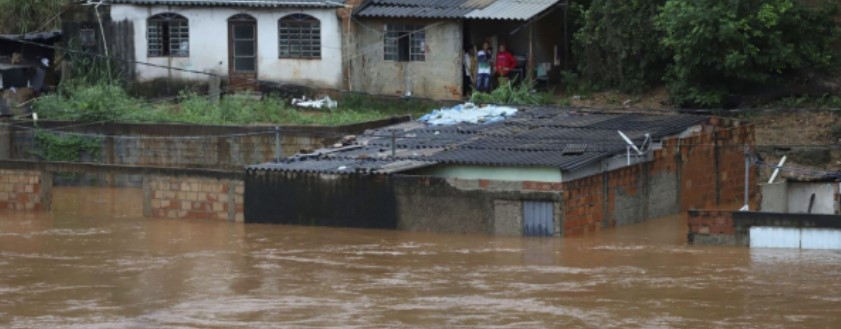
(247, 42)
(415, 47)
(544, 171)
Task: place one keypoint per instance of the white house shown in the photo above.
(282, 41)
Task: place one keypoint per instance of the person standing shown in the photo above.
(505, 64)
(483, 71)
(469, 70)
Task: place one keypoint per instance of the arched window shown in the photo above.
(299, 36)
(168, 35)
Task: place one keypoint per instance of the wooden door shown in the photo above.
(242, 53)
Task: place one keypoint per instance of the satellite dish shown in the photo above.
(629, 142)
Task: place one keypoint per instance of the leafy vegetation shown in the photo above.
(111, 103)
(65, 147)
(509, 93)
(724, 47)
(22, 16)
(617, 45)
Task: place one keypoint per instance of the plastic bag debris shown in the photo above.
(468, 113)
(324, 102)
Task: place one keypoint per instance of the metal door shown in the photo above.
(538, 218)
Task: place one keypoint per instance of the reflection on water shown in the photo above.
(95, 263)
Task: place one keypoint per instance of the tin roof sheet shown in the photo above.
(554, 137)
(456, 9)
(238, 3)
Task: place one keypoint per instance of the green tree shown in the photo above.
(618, 44)
(720, 48)
(22, 16)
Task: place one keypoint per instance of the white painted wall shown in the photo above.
(209, 45)
(793, 237)
(799, 194)
(535, 174)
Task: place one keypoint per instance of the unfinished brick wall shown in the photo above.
(710, 222)
(584, 205)
(183, 197)
(699, 171)
(24, 190)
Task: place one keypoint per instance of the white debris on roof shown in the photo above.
(468, 113)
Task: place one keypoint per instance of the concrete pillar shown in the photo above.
(5, 140)
(147, 196)
(46, 190)
(232, 205)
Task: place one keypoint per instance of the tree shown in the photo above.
(725, 47)
(22, 16)
(618, 44)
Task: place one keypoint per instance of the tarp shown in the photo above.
(468, 113)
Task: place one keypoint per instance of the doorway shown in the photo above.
(242, 53)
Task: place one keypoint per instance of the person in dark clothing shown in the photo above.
(37, 84)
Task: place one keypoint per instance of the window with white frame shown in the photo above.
(168, 35)
(404, 42)
(299, 36)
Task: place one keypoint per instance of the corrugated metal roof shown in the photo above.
(512, 9)
(239, 3)
(520, 10)
(557, 138)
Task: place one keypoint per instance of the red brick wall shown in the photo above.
(583, 209)
(711, 222)
(704, 181)
(22, 190)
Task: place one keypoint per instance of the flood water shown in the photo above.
(94, 262)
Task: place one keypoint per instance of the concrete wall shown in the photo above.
(181, 145)
(209, 45)
(774, 197)
(438, 77)
(721, 227)
(793, 197)
(432, 204)
(799, 194)
(24, 190)
(188, 197)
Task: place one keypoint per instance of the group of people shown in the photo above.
(480, 65)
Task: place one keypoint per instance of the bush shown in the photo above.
(618, 45)
(96, 103)
(721, 48)
(508, 93)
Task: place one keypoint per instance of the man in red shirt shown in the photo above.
(505, 63)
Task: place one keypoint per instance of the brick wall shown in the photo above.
(700, 171)
(183, 197)
(24, 190)
(711, 227)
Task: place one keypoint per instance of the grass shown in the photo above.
(112, 103)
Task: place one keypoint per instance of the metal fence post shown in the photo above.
(277, 144)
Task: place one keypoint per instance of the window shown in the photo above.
(404, 42)
(299, 37)
(87, 37)
(168, 35)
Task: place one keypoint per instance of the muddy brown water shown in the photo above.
(94, 262)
